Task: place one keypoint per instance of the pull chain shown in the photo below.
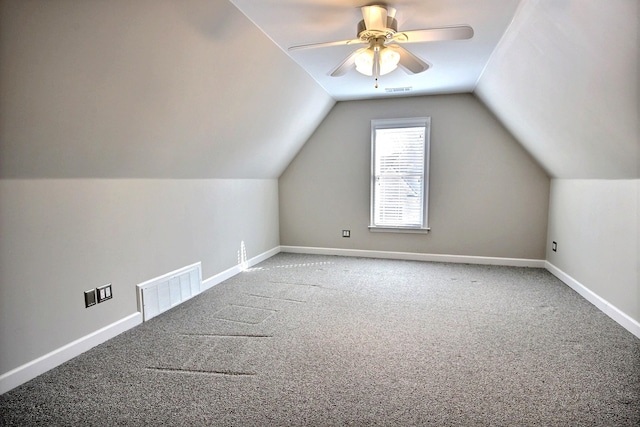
(376, 64)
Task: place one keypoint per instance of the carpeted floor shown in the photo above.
(325, 341)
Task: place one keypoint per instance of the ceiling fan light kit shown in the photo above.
(379, 29)
(387, 61)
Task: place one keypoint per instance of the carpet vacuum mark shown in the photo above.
(369, 342)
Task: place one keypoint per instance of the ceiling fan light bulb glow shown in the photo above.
(388, 62)
(364, 63)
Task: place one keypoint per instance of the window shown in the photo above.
(399, 174)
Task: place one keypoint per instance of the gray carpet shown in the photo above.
(320, 340)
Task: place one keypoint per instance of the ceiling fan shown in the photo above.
(379, 30)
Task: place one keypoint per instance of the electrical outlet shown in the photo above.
(554, 247)
(90, 298)
(346, 233)
(104, 292)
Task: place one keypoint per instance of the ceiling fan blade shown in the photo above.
(375, 17)
(347, 64)
(408, 61)
(459, 32)
(326, 44)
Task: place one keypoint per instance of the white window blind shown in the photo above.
(399, 173)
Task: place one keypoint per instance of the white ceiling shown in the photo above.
(456, 66)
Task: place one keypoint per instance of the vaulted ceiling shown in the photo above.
(147, 89)
(208, 89)
(455, 65)
(562, 75)
(565, 80)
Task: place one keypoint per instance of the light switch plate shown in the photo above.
(104, 293)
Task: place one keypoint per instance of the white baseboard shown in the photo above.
(603, 305)
(411, 256)
(263, 256)
(607, 308)
(230, 272)
(30, 370)
(26, 372)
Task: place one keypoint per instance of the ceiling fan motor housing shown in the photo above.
(367, 34)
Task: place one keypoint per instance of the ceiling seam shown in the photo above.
(507, 30)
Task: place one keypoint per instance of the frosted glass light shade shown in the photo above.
(388, 61)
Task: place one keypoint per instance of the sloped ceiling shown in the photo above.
(147, 88)
(562, 75)
(455, 65)
(565, 81)
(193, 89)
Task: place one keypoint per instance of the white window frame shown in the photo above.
(395, 124)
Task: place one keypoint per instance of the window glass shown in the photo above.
(399, 173)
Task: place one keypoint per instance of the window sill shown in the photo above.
(399, 230)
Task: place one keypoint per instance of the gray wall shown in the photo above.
(136, 137)
(62, 237)
(596, 224)
(564, 80)
(487, 197)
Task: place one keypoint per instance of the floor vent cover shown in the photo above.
(158, 295)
